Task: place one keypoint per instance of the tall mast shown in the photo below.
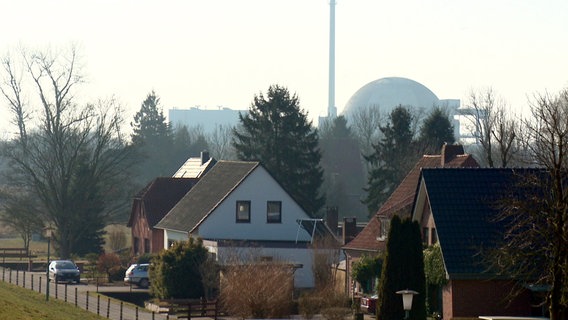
(331, 109)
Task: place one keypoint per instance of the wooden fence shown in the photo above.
(90, 301)
(187, 309)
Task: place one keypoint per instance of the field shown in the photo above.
(17, 304)
(39, 247)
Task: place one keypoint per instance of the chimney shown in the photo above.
(449, 152)
(204, 156)
(349, 229)
(332, 219)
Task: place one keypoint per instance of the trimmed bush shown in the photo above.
(174, 273)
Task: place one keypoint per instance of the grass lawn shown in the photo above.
(39, 248)
(19, 303)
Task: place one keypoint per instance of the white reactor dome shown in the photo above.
(388, 93)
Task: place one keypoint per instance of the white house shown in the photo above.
(237, 206)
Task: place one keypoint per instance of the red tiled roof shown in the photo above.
(400, 201)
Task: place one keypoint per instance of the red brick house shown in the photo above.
(149, 206)
(455, 208)
(153, 202)
(372, 239)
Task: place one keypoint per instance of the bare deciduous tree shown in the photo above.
(252, 287)
(494, 128)
(74, 162)
(535, 247)
(365, 123)
(116, 239)
(326, 254)
(11, 89)
(219, 142)
(19, 211)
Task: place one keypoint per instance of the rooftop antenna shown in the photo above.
(331, 109)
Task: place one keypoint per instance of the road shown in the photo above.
(87, 296)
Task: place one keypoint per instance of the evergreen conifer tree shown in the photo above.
(277, 133)
(153, 140)
(393, 157)
(403, 268)
(436, 130)
(175, 273)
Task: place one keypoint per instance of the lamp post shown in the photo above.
(407, 296)
(47, 233)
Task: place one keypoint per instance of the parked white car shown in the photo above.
(138, 274)
(64, 270)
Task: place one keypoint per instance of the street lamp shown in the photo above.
(407, 296)
(47, 232)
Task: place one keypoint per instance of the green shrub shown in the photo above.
(365, 270)
(175, 273)
(145, 258)
(116, 274)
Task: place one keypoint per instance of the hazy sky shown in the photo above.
(221, 53)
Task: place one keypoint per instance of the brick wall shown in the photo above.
(141, 231)
(157, 240)
(473, 298)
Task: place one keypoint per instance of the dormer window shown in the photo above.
(384, 228)
(243, 211)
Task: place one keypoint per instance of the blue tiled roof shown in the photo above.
(464, 203)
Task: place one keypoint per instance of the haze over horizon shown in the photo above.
(221, 53)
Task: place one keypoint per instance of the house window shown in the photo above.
(146, 245)
(384, 230)
(243, 211)
(434, 236)
(274, 212)
(425, 235)
(136, 245)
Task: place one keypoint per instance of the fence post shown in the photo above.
(10, 278)
(98, 304)
(120, 310)
(87, 300)
(32, 282)
(24, 279)
(56, 289)
(17, 277)
(136, 313)
(108, 307)
(75, 296)
(39, 284)
(66, 292)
